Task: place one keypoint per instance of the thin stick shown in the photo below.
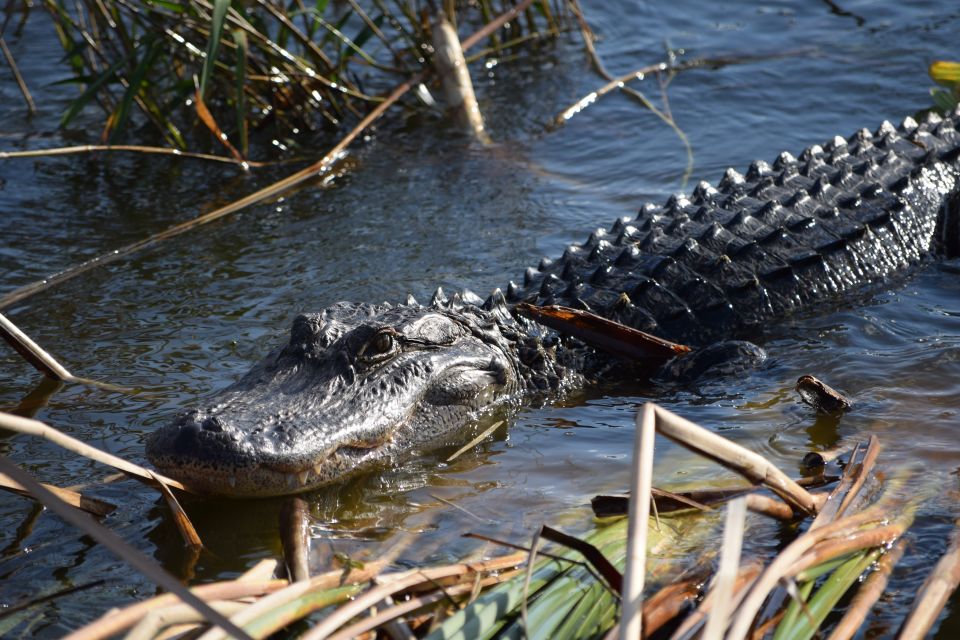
(934, 592)
(41, 430)
(19, 78)
(641, 482)
(727, 571)
(32, 352)
(94, 148)
(146, 566)
(475, 441)
(267, 192)
(753, 466)
(73, 498)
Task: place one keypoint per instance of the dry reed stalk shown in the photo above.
(135, 148)
(295, 538)
(475, 441)
(728, 570)
(41, 430)
(830, 549)
(32, 352)
(253, 583)
(31, 106)
(641, 483)
(73, 498)
(155, 621)
(868, 594)
(934, 592)
(392, 584)
(752, 466)
(745, 577)
(454, 76)
(385, 615)
(780, 566)
(861, 472)
(146, 566)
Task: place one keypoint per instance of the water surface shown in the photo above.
(416, 207)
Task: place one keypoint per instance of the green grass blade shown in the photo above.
(77, 105)
(213, 44)
(135, 84)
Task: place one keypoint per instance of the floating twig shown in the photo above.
(32, 352)
(73, 498)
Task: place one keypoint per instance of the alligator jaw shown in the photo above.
(340, 397)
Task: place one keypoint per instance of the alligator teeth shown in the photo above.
(291, 481)
(303, 476)
(232, 481)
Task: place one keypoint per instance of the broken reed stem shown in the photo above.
(155, 621)
(146, 566)
(861, 473)
(751, 465)
(95, 148)
(41, 430)
(399, 582)
(776, 570)
(73, 498)
(933, 594)
(31, 107)
(393, 612)
(745, 577)
(727, 572)
(641, 483)
(32, 352)
(868, 594)
(454, 76)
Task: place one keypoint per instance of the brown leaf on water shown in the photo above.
(601, 333)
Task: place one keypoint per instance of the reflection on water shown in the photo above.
(418, 209)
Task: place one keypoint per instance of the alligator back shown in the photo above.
(767, 244)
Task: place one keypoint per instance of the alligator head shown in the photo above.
(354, 385)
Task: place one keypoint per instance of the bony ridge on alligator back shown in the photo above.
(360, 383)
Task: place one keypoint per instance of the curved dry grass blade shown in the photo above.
(157, 620)
(92, 148)
(118, 546)
(496, 23)
(116, 621)
(868, 594)
(641, 481)
(860, 473)
(210, 123)
(933, 594)
(32, 353)
(191, 539)
(752, 466)
(527, 576)
(92, 506)
(727, 572)
(399, 582)
(475, 441)
(267, 192)
(41, 430)
(31, 107)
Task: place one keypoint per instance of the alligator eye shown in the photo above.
(379, 347)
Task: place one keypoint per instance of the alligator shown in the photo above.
(359, 384)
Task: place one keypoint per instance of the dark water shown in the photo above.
(417, 208)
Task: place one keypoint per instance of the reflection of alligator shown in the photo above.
(359, 383)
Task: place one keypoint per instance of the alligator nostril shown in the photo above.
(212, 424)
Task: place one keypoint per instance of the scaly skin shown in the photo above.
(359, 384)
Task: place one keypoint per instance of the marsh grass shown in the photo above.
(208, 72)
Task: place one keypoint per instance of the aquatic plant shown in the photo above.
(188, 68)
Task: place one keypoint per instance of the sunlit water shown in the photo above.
(416, 208)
